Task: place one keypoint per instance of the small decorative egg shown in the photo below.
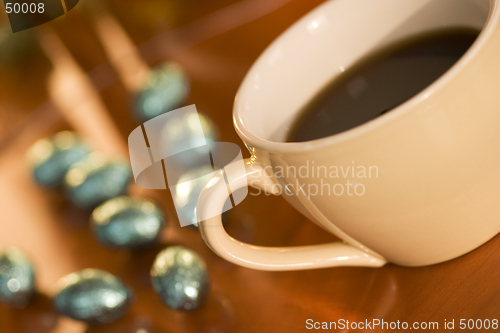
(17, 277)
(96, 179)
(92, 295)
(126, 222)
(51, 158)
(179, 131)
(180, 278)
(187, 192)
(165, 88)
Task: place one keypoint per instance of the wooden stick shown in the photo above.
(76, 98)
(121, 51)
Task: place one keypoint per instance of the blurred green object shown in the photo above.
(165, 88)
(17, 277)
(93, 296)
(180, 277)
(15, 47)
(96, 179)
(126, 222)
(51, 158)
(156, 15)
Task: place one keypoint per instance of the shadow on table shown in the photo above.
(38, 317)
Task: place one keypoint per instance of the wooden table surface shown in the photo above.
(216, 41)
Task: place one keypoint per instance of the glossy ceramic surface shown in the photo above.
(430, 185)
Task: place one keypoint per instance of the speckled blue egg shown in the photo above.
(17, 277)
(93, 296)
(180, 277)
(164, 89)
(126, 222)
(51, 158)
(96, 179)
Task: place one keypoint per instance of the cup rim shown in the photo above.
(252, 140)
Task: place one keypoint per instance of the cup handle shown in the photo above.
(211, 203)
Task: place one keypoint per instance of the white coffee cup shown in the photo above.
(436, 191)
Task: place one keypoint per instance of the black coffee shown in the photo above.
(380, 82)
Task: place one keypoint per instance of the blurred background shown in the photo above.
(48, 72)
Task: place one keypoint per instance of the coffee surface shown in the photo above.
(380, 82)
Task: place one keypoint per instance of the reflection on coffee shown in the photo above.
(380, 82)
